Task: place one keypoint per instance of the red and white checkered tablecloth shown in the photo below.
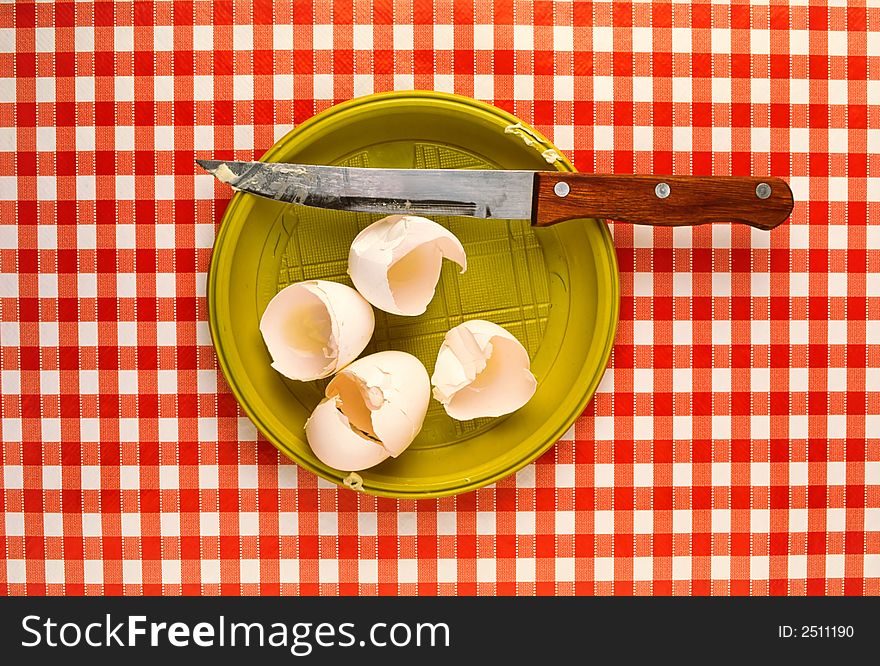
(733, 446)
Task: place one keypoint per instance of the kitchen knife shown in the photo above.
(544, 197)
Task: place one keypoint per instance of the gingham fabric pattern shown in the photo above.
(732, 447)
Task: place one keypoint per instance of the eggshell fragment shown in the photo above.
(482, 370)
(373, 409)
(314, 328)
(395, 262)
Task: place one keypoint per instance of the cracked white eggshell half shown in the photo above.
(314, 328)
(373, 409)
(482, 370)
(395, 262)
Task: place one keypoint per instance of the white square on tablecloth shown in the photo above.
(603, 427)
(760, 139)
(169, 477)
(362, 37)
(603, 569)
(643, 475)
(248, 523)
(720, 473)
(129, 477)
(835, 565)
(484, 86)
(643, 521)
(91, 525)
(248, 476)
(523, 37)
(8, 188)
(368, 524)
(797, 567)
(485, 523)
(45, 40)
(210, 571)
(835, 520)
(643, 334)
(797, 520)
(721, 427)
(682, 520)
(163, 38)
(46, 188)
(797, 473)
(603, 522)
(209, 524)
(171, 572)
(603, 89)
(328, 571)
(93, 572)
(444, 37)
(564, 522)
(130, 524)
(207, 430)
(643, 138)
(563, 38)
(446, 523)
(682, 380)
(525, 522)
(760, 473)
(368, 572)
(250, 571)
(243, 37)
(408, 571)
(53, 524)
(54, 571)
(203, 88)
(603, 39)
(682, 91)
(485, 570)
(759, 521)
(167, 430)
(447, 570)
(721, 521)
(720, 567)
(525, 570)
(681, 568)
(682, 474)
(603, 475)
(565, 569)
(643, 568)
(288, 571)
(169, 524)
(403, 37)
(565, 471)
(759, 567)
(484, 37)
(525, 478)
(642, 39)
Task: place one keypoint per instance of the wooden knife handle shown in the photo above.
(670, 201)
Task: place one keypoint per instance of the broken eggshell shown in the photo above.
(482, 370)
(373, 409)
(395, 262)
(314, 328)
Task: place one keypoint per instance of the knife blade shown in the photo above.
(544, 197)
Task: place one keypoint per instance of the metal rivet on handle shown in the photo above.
(561, 189)
(763, 191)
(662, 190)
